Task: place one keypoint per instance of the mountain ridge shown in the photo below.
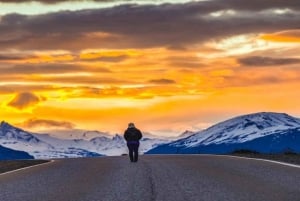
(235, 133)
(45, 146)
(263, 131)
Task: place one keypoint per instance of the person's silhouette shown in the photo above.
(132, 135)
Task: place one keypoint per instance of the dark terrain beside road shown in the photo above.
(287, 157)
(6, 166)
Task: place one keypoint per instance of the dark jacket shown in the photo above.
(133, 134)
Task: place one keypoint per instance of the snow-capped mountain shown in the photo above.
(263, 132)
(36, 145)
(18, 139)
(48, 146)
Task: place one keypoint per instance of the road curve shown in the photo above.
(153, 178)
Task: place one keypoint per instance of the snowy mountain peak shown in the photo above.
(261, 121)
(243, 128)
(185, 134)
(270, 116)
(8, 131)
(5, 125)
(265, 132)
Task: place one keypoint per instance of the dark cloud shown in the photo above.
(82, 80)
(19, 88)
(133, 26)
(113, 59)
(162, 81)
(54, 68)
(4, 57)
(25, 100)
(256, 5)
(38, 58)
(267, 61)
(34, 123)
(184, 62)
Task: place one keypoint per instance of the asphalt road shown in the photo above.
(161, 178)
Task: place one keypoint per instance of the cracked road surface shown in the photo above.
(153, 178)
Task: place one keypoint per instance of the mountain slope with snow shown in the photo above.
(92, 143)
(18, 139)
(277, 131)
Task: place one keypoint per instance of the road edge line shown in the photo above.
(24, 168)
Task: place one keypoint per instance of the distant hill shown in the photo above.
(264, 132)
(10, 154)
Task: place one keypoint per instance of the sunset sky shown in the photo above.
(168, 66)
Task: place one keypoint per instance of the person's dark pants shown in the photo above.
(133, 147)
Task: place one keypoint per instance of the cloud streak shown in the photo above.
(45, 123)
(110, 59)
(267, 61)
(162, 81)
(55, 68)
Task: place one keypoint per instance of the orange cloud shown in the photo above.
(162, 81)
(290, 36)
(45, 123)
(35, 58)
(25, 100)
(109, 55)
(50, 58)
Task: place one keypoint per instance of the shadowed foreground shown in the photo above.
(162, 178)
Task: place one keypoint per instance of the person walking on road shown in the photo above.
(132, 136)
